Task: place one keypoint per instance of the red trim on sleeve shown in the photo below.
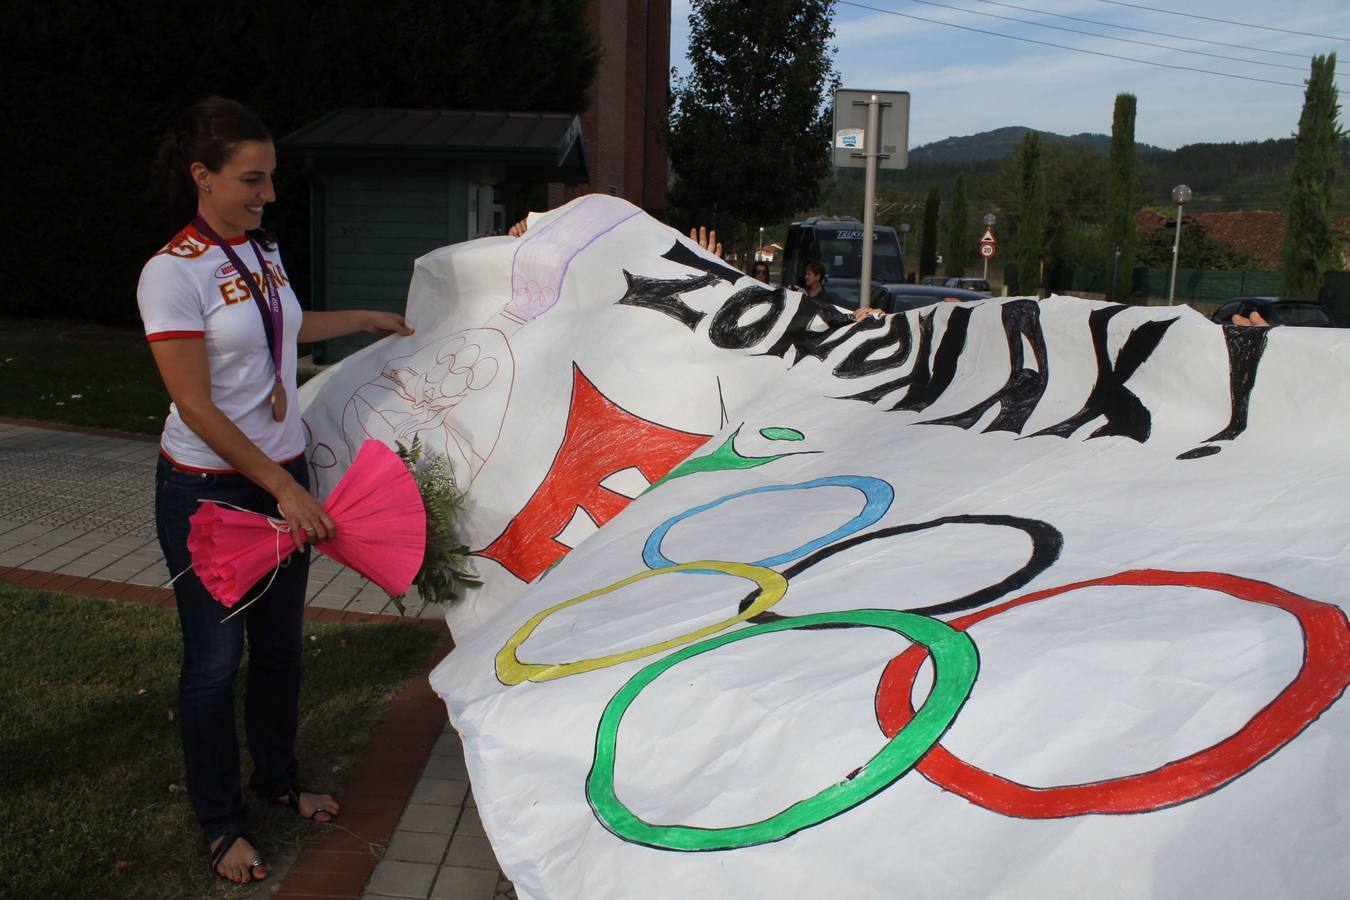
(171, 335)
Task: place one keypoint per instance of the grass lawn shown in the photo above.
(78, 373)
(91, 798)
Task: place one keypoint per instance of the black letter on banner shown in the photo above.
(663, 295)
(727, 332)
(1022, 391)
(1125, 415)
(681, 254)
(819, 344)
(924, 386)
(858, 362)
(925, 389)
(1246, 345)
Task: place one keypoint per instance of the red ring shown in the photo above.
(1320, 682)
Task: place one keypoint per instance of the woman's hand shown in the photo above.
(519, 229)
(864, 312)
(304, 516)
(707, 239)
(382, 323)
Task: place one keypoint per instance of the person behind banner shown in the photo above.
(826, 301)
(760, 271)
(223, 325)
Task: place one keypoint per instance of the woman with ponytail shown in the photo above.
(223, 325)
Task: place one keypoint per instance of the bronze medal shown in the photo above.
(279, 402)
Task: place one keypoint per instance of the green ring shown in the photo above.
(955, 665)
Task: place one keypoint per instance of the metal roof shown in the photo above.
(550, 142)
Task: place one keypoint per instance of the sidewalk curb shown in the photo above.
(81, 429)
(340, 861)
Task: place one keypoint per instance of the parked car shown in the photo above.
(935, 280)
(914, 296)
(971, 284)
(837, 244)
(1276, 311)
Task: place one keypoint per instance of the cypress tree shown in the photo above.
(957, 253)
(928, 245)
(1031, 219)
(1120, 200)
(1309, 249)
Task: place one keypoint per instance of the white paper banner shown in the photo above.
(1027, 599)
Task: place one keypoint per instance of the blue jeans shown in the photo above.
(212, 651)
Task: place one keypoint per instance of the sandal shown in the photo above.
(227, 840)
(292, 799)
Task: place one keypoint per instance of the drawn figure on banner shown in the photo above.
(432, 393)
(544, 254)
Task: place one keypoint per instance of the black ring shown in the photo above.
(1046, 544)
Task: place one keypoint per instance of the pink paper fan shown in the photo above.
(233, 550)
(380, 521)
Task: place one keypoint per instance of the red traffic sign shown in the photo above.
(988, 236)
(986, 250)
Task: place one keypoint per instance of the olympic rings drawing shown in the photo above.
(511, 670)
(914, 736)
(1321, 680)
(955, 664)
(879, 495)
(1046, 543)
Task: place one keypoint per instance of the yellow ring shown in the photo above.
(510, 670)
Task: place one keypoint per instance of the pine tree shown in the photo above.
(1309, 249)
(1120, 232)
(750, 126)
(957, 252)
(929, 241)
(1031, 217)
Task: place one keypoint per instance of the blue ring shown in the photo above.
(879, 495)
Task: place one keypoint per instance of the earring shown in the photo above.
(207, 188)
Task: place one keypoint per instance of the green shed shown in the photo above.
(388, 185)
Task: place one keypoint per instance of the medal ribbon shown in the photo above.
(269, 304)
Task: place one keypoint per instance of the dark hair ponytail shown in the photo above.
(207, 133)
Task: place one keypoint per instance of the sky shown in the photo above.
(963, 82)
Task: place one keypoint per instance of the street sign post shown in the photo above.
(871, 129)
(987, 245)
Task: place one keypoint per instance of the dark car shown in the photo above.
(914, 296)
(1276, 311)
(971, 284)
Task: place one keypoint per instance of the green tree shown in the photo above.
(1031, 217)
(928, 243)
(957, 252)
(1198, 249)
(1120, 200)
(1309, 248)
(750, 125)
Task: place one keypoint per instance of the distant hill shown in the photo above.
(1001, 142)
(1232, 176)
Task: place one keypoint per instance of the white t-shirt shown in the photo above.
(191, 289)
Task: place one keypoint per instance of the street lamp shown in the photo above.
(759, 249)
(1182, 195)
(989, 220)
